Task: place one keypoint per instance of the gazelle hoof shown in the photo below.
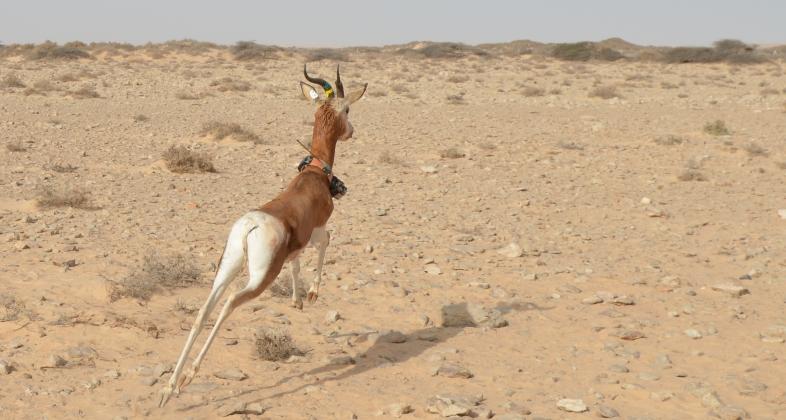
(166, 393)
(297, 304)
(312, 297)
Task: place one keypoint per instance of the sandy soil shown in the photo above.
(622, 237)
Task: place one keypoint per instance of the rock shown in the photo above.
(619, 369)
(112, 374)
(607, 412)
(630, 335)
(693, 333)
(774, 334)
(572, 405)
(710, 399)
(509, 416)
(649, 376)
(429, 169)
(149, 381)
(479, 285)
(232, 374)
(592, 300)
(517, 408)
(470, 315)
(82, 352)
(341, 360)
(623, 300)
(56, 361)
(451, 370)
(392, 337)
(162, 369)
(397, 410)
(5, 367)
(662, 362)
(331, 317)
(661, 396)
(241, 407)
(20, 245)
(782, 213)
(731, 289)
(511, 250)
(731, 413)
(432, 269)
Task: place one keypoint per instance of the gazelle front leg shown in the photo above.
(320, 238)
(294, 266)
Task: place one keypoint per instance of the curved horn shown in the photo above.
(322, 82)
(339, 85)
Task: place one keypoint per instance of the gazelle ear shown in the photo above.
(357, 94)
(309, 92)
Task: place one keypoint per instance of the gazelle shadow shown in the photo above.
(383, 352)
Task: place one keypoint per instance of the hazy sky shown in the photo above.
(370, 22)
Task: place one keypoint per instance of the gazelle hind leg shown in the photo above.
(265, 260)
(320, 238)
(230, 264)
(294, 266)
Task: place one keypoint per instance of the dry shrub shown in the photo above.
(141, 118)
(584, 51)
(246, 50)
(531, 91)
(605, 92)
(229, 84)
(570, 145)
(188, 95)
(387, 158)
(86, 92)
(754, 150)
(448, 50)
(669, 140)
(180, 159)
(51, 51)
(691, 175)
(458, 79)
(15, 146)
(220, 130)
(10, 307)
(273, 344)
(452, 153)
(63, 168)
(716, 128)
(329, 54)
(186, 308)
(68, 197)
(727, 50)
(67, 77)
(156, 273)
(457, 99)
(12, 81)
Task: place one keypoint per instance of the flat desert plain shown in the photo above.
(522, 238)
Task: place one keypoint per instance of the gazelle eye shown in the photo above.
(346, 110)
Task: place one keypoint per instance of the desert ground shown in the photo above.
(609, 232)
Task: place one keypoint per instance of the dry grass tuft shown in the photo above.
(570, 145)
(390, 159)
(457, 99)
(458, 79)
(584, 51)
(669, 140)
(531, 91)
(188, 95)
(86, 92)
(180, 159)
(52, 51)
(716, 128)
(691, 175)
(10, 307)
(184, 307)
(452, 153)
(329, 54)
(156, 273)
(141, 118)
(63, 168)
(605, 92)
(12, 81)
(246, 51)
(228, 84)
(755, 150)
(15, 146)
(274, 344)
(220, 130)
(75, 198)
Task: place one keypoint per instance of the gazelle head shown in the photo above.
(332, 116)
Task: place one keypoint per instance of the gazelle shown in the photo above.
(280, 230)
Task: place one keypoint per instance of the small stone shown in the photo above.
(711, 400)
(511, 250)
(631, 335)
(56, 361)
(661, 396)
(649, 376)
(112, 374)
(397, 410)
(232, 409)
(451, 370)
(662, 362)
(619, 369)
(607, 412)
(331, 317)
(774, 334)
(20, 245)
(646, 200)
(782, 213)
(731, 289)
(232, 374)
(432, 269)
(479, 285)
(429, 169)
(572, 405)
(149, 381)
(693, 333)
(623, 300)
(254, 409)
(5, 367)
(731, 413)
(341, 360)
(392, 337)
(592, 300)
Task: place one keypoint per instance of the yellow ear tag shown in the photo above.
(329, 92)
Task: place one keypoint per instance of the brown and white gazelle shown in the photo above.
(280, 230)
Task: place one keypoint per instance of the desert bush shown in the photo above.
(220, 130)
(669, 140)
(274, 344)
(12, 81)
(727, 50)
(51, 51)
(63, 168)
(691, 175)
(452, 153)
(716, 128)
(330, 54)
(75, 198)
(692, 55)
(754, 150)
(246, 50)
(15, 146)
(180, 159)
(531, 91)
(85, 92)
(10, 307)
(156, 273)
(584, 51)
(229, 84)
(605, 92)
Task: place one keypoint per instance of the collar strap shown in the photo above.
(312, 161)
